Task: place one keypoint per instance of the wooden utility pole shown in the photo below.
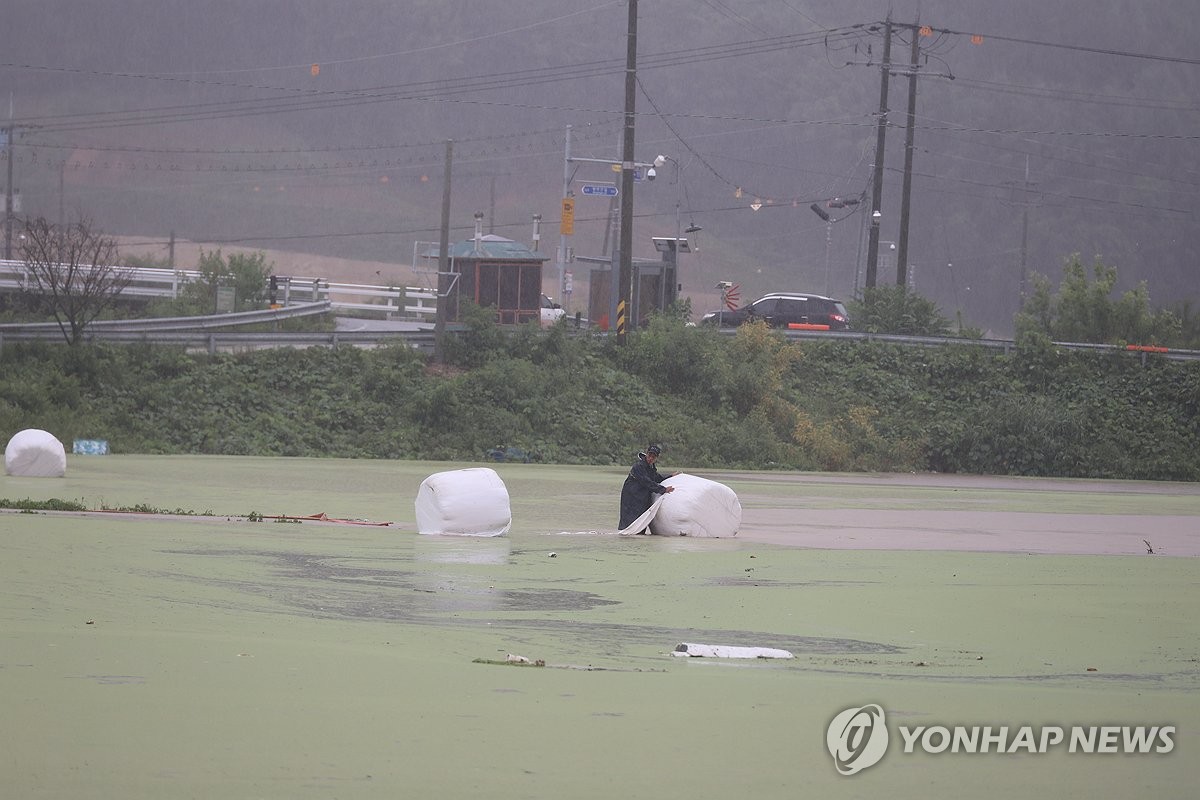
(877, 182)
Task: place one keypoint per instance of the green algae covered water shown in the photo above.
(172, 656)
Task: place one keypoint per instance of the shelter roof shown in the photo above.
(490, 248)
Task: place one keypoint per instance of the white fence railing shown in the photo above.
(386, 302)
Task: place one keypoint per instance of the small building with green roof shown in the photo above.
(494, 272)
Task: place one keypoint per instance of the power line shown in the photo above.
(1077, 48)
(317, 99)
(1068, 196)
(267, 151)
(1074, 95)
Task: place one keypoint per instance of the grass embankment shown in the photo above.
(752, 401)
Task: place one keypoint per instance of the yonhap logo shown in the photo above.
(857, 738)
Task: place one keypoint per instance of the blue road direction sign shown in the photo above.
(599, 190)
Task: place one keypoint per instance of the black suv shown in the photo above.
(787, 310)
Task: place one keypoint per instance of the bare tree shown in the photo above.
(75, 271)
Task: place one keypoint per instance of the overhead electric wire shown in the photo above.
(416, 50)
(1189, 184)
(1098, 200)
(1106, 51)
(1073, 95)
(419, 90)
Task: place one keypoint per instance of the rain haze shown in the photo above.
(317, 131)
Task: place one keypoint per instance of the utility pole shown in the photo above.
(906, 198)
(492, 207)
(8, 196)
(627, 168)
(877, 182)
(439, 327)
(1023, 193)
(1022, 288)
(566, 226)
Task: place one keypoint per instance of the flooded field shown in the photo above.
(203, 654)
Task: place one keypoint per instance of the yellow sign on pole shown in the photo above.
(567, 226)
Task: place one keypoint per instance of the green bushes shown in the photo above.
(753, 400)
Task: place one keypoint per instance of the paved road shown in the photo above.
(357, 324)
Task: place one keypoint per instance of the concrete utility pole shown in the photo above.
(627, 169)
(8, 196)
(877, 182)
(566, 225)
(439, 326)
(1022, 289)
(902, 252)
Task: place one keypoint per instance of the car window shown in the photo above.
(764, 307)
(792, 307)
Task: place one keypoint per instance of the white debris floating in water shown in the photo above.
(727, 651)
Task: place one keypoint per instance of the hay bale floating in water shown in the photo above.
(35, 453)
(464, 502)
(697, 507)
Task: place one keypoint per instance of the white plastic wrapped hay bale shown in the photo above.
(697, 507)
(464, 502)
(35, 453)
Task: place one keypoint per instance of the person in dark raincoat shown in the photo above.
(642, 483)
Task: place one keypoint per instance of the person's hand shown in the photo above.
(670, 488)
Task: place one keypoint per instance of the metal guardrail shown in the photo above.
(210, 322)
(201, 337)
(240, 341)
(1003, 346)
(315, 296)
(387, 302)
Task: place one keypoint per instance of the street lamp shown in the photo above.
(835, 202)
(659, 160)
(567, 224)
(680, 193)
(681, 243)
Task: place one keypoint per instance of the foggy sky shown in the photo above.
(209, 120)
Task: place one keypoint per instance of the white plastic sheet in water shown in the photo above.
(464, 502)
(696, 650)
(35, 453)
(698, 507)
(641, 523)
